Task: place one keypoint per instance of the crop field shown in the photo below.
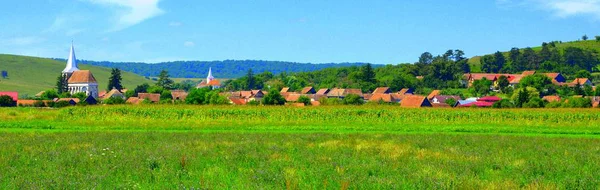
(380, 147)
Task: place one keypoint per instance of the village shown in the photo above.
(83, 88)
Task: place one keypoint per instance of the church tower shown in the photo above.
(79, 80)
(210, 76)
(71, 63)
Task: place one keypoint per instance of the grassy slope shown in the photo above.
(30, 75)
(475, 62)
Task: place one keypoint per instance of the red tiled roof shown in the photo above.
(82, 76)
(489, 99)
(133, 100)
(322, 91)
(404, 91)
(13, 95)
(308, 90)
(382, 90)
(383, 97)
(527, 73)
(415, 102)
(478, 104)
(237, 101)
(284, 90)
(433, 94)
(596, 104)
(150, 96)
(75, 100)
(292, 97)
(315, 103)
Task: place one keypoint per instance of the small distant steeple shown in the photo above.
(71, 62)
(210, 76)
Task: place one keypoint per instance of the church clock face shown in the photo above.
(84, 88)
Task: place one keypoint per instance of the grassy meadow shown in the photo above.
(379, 147)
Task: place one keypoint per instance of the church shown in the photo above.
(79, 80)
(210, 81)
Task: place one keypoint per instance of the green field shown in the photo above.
(30, 75)
(382, 147)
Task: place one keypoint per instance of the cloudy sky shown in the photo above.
(317, 31)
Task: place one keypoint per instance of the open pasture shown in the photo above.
(383, 147)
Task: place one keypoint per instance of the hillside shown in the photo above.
(221, 69)
(475, 62)
(30, 75)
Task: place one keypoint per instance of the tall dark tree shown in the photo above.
(426, 58)
(250, 80)
(448, 55)
(584, 37)
(545, 53)
(503, 83)
(164, 80)
(531, 59)
(368, 74)
(516, 62)
(114, 81)
(61, 84)
(500, 60)
(459, 55)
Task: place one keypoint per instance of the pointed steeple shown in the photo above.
(71, 62)
(210, 76)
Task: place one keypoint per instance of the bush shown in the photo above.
(49, 94)
(330, 101)
(39, 104)
(273, 98)
(114, 100)
(305, 100)
(7, 101)
(197, 96)
(535, 103)
(578, 103)
(253, 103)
(353, 99)
(555, 104)
(505, 103)
(451, 102)
(61, 104)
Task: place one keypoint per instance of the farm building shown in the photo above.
(415, 101)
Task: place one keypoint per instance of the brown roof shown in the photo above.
(552, 75)
(292, 97)
(150, 96)
(246, 94)
(133, 100)
(82, 76)
(284, 90)
(237, 101)
(382, 90)
(101, 93)
(315, 103)
(354, 91)
(441, 105)
(213, 82)
(39, 94)
(551, 98)
(179, 94)
(596, 104)
(433, 94)
(384, 98)
(113, 93)
(415, 102)
(322, 91)
(76, 100)
(336, 92)
(30, 102)
(403, 91)
(308, 90)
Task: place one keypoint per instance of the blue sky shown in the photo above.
(317, 31)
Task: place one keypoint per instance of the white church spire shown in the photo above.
(71, 62)
(210, 76)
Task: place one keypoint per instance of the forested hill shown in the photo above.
(221, 69)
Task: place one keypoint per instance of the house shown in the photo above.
(527, 73)
(323, 91)
(292, 97)
(101, 94)
(308, 90)
(237, 101)
(153, 97)
(388, 98)
(581, 81)
(134, 100)
(441, 99)
(406, 91)
(13, 95)
(248, 96)
(341, 93)
(491, 99)
(478, 104)
(114, 93)
(72, 101)
(210, 81)
(559, 78)
(415, 101)
(433, 94)
(382, 90)
(551, 98)
(179, 95)
(465, 102)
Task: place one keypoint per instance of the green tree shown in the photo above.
(584, 37)
(197, 96)
(536, 102)
(164, 80)
(166, 95)
(515, 60)
(504, 103)
(588, 90)
(80, 95)
(273, 98)
(545, 54)
(598, 38)
(530, 59)
(540, 82)
(7, 101)
(368, 81)
(61, 84)
(450, 101)
(114, 81)
(583, 74)
(114, 101)
(305, 100)
(143, 88)
(503, 83)
(425, 58)
(522, 97)
(353, 99)
(481, 87)
(250, 80)
(49, 94)
(213, 98)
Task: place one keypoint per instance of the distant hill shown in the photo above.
(475, 62)
(30, 75)
(221, 69)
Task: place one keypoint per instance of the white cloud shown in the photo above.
(131, 12)
(22, 41)
(189, 44)
(175, 24)
(560, 8)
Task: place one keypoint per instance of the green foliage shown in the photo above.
(81, 95)
(197, 96)
(114, 100)
(164, 80)
(480, 87)
(504, 103)
(555, 104)
(143, 88)
(451, 101)
(7, 101)
(64, 95)
(597, 38)
(61, 104)
(166, 95)
(584, 37)
(521, 96)
(540, 82)
(330, 101)
(503, 83)
(156, 89)
(213, 98)
(273, 98)
(49, 94)
(130, 93)
(583, 74)
(305, 100)
(535, 102)
(253, 103)
(353, 99)
(114, 81)
(578, 103)
(39, 104)
(62, 84)
(250, 80)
